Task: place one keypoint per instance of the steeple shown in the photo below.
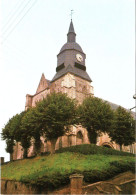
(71, 36)
(71, 58)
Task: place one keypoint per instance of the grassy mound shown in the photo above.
(54, 170)
(93, 149)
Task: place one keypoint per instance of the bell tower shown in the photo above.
(71, 76)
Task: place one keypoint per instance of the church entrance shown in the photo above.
(79, 138)
(107, 145)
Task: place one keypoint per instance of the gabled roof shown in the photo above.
(43, 84)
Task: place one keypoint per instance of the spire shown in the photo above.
(71, 27)
(71, 36)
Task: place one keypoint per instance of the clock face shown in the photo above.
(79, 57)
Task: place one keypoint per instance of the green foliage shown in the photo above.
(54, 171)
(89, 149)
(123, 166)
(55, 113)
(123, 132)
(30, 130)
(114, 167)
(9, 145)
(8, 136)
(96, 116)
(11, 131)
(51, 118)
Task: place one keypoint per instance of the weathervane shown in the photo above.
(71, 13)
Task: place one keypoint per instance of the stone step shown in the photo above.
(101, 190)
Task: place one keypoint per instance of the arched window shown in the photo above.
(79, 138)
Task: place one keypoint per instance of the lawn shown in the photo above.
(54, 170)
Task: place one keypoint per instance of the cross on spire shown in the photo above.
(71, 13)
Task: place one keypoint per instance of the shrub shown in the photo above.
(123, 166)
(93, 149)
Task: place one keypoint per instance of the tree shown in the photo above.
(55, 114)
(31, 129)
(96, 116)
(123, 132)
(11, 132)
(9, 138)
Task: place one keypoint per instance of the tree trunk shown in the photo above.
(38, 148)
(25, 153)
(11, 156)
(120, 147)
(53, 143)
(38, 152)
(92, 137)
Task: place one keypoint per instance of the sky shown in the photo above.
(32, 33)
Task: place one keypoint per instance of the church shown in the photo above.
(72, 78)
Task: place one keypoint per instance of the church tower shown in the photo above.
(71, 76)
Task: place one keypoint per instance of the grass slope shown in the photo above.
(93, 149)
(54, 170)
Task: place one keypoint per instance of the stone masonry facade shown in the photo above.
(70, 78)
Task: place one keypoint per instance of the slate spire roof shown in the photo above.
(71, 36)
(71, 27)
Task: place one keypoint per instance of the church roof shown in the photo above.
(71, 45)
(71, 41)
(115, 106)
(71, 27)
(112, 105)
(76, 71)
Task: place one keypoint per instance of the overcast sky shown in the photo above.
(33, 32)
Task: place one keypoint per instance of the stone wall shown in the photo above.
(76, 87)
(105, 140)
(13, 187)
(123, 183)
(40, 96)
